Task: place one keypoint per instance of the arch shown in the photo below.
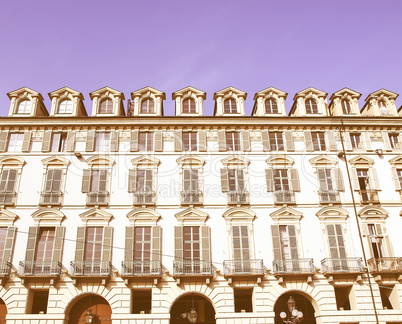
(97, 160)
(146, 216)
(280, 159)
(332, 212)
(24, 106)
(194, 160)
(185, 302)
(12, 160)
(230, 106)
(239, 213)
(78, 307)
(147, 106)
(372, 211)
(271, 106)
(311, 106)
(3, 311)
(189, 105)
(65, 106)
(106, 106)
(48, 216)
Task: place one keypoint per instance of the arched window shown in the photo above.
(383, 107)
(346, 107)
(106, 106)
(271, 106)
(65, 107)
(147, 106)
(311, 106)
(24, 107)
(230, 106)
(189, 106)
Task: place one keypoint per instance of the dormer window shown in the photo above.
(271, 106)
(311, 106)
(383, 107)
(230, 106)
(65, 107)
(24, 107)
(189, 106)
(106, 106)
(347, 110)
(147, 106)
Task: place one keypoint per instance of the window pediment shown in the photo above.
(100, 160)
(95, 217)
(361, 161)
(12, 161)
(143, 216)
(370, 212)
(193, 216)
(195, 95)
(235, 161)
(332, 214)
(345, 93)
(191, 160)
(286, 214)
(323, 160)
(7, 218)
(239, 214)
(55, 161)
(280, 160)
(396, 161)
(226, 94)
(48, 217)
(66, 93)
(269, 93)
(36, 108)
(146, 161)
(107, 93)
(140, 95)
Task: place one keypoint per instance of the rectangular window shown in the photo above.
(146, 141)
(98, 181)
(37, 301)
(325, 179)
(236, 180)
(191, 243)
(142, 243)
(276, 141)
(93, 244)
(15, 142)
(336, 244)
(53, 180)
(363, 179)
(355, 140)
(44, 248)
(233, 141)
(241, 250)
(3, 237)
(342, 297)
(145, 181)
(141, 301)
(318, 139)
(189, 141)
(102, 142)
(243, 300)
(8, 185)
(59, 141)
(394, 141)
(281, 180)
(389, 297)
(375, 239)
(190, 180)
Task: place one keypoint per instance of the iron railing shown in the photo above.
(91, 268)
(238, 197)
(97, 198)
(51, 198)
(40, 268)
(144, 198)
(293, 266)
(141, 268)
(369, 196)
(284, 197)
(329, 197)
(389, 264)
(192, 197)
(7, 198)
(192, 267)
(345, 265)
(243, 267)
(5, 268)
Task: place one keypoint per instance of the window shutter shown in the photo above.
(178, 140)
(331, 141)
(225, 179)
(206, 243)
(31, 245)
(290, 145)
(12, 180)
(341, 242)
(294, 179)
(276, 242)
(57, 179)
(49, 180)
(378, 229)
(246, 141)
(178, 243)
(308, 141)
(134, 141)
(240, 180)
(387, 143)
(47, 139)
(103, 180)
(107, 244)
(395, 178)
(347, 144)
(374, 182)
(367, 141)
(26, 143)
(58, 243)
(293, 241)
(9, 245)
(158, 141)
(3, 141)
(156, 243)
(129, 244)
(333, 246)
(269, 175)
(132, 180)
(149, 180)
(322, 179)
(364, 229)
(222, 140)
(3, 182)
(86, 181)
(114, 141)
(70, 146)
(202, 140)
(355, 181)
(339, 179)
(90, 146)
(266, 147)
(388, 251)
(80, 244)
(186, 180)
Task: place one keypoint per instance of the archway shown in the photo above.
(3, 311)
(302, 304)
(92, 304)
(181, 308)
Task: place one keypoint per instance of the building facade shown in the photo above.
(132, 216)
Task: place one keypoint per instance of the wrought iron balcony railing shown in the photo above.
(141, 268)
(243, 267)
(91, 268)
(389, 264)
(369, 196)
(144, 198)
(345, 265)
(192, 267)
(293, 266)
(238, 197)
(192, 197)
(5, 269)
(51, 198)
(40, 268)
(284, 197)
(329, 197)
(7, 198)
(97, 198)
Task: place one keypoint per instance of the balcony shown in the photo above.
(192, 268)
(7, 198)
(385, 265)
(293, 266)
(51, 198)
(369, 197)
(91, 268)
(243, 267)
(347, 265)
(144, 198)
(329, 197)
(98, 198)
(238, 198)
(40, 268)
(193, 197)
(5, 269)
(284, 197)
(141, 268)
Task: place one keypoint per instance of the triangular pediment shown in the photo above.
(372, 212)
(24, 91)
(48, 216)
(105, 91)
(323, 160)
(270, 91)
(310, 91)
(345, 92)
(361, 159)
(12, 160)
(286, 214)
(7, 218)
(147, 92)
(280, 160)
(102, 160)
(235, 160)
(146, 160)
(396, 160)
(55, 160)
(65, 91)
(332, 213)
(382, 93)
(239, 214)
(229, 91)
(143, 216)
(192, 215)
(96, 216)
(189, 90)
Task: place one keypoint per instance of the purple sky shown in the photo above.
(170, 44)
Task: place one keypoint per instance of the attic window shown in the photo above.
(383, 107)
(271, 106)
(65, 107)
(346, 107)
(24, 107)
(230, 106)
(311, 106)
(189, 106)
(147, 106)
(106, 106)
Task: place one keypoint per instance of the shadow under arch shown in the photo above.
(3, 311)
(77, 309)
(183, 304)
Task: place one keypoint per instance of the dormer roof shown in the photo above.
(64, 91)
(188, 89)
(266, 93)
(101, 91)
(37, 109)
(269, 91)
(337, 108)
(229, 92)
(194, 107)
(344, 92)
(148, 90)
(305, 93)
(382, 92)
(59, 95)
(117, 97)
(19, 91)
(372, 101)
(134, 106)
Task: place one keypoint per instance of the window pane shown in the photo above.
(271, 106)
(189, 106)
(65, 107)
(106, 106)
(93, 244)
(44, 248)
(24, 107)
(311, 106)
(346, 107)
(147, 106)
(15, 142)
(230, 106)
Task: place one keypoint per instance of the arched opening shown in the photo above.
(181, 311)
(3, 311)
(90, 306)
(302, 304)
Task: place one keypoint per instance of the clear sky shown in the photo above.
(170, 44)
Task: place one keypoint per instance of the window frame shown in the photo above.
(275, 139)
(190, 141)
(25, 101)
(68, 109)
(271, 109)
(188, 106)
(19, 140)
(228, 108)
(102, 141)
(318, 141)
(108, 103)
(150, 109)
(149, 141)
(233, 141)
(311, 106)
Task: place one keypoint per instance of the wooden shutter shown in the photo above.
(90, 145)
(206, 243)
(355, 181)
(341, 242)
(80, 244)
(347, 144)
(335, 241)
(156, 243)
(276, 242)
(395, 178)
(266, 147)
(49, 180)
(3, 141)
(178, 140)
(339, 179)
(308, 141)
(33, 233)
(132, 180)
(222, 140)
(387, 143)
(202, 140)
(129, 244)
(225, 179)
(57, 180)
(103, 175)
(58, 243)
(374, 182)
(134, 141)
(290, 145)
(158, 141)
(293, 241)
(246, 141)
(331, 141)
(9, 177)
(364, 229)
(114, 141)
(322, 181)
(378, 229)
(178, 243)
(70, 146)
(186, 180)
(9, 245)
(47, 139)
(86, 181)
(269, 176)
(26, 143)
(294, 179)
(367, 141)
(107, 244)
